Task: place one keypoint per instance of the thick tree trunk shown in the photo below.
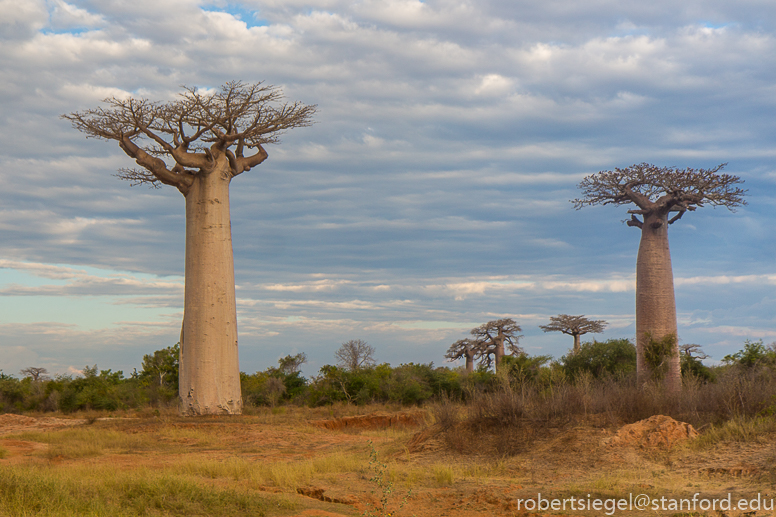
(577, 344)
(469, 361)
(655, 303)
(499, 349)
(209, 364)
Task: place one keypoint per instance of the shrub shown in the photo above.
(600, 358)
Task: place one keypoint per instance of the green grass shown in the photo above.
(288, 475)
(108, 491)
(85, 442)
(740, 430)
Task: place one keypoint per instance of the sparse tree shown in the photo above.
(291, 364)
(464, 348)
(355, 354)
(35, 373)
(574, 326)
(494, 337)
(197, 144)
(658, 192)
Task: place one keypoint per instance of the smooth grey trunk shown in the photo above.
(209, 363)
(655, 302)
(577, 345)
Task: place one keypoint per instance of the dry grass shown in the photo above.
(166, 465)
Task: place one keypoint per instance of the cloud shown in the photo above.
(433, 188)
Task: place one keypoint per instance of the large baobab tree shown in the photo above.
(492, 338)
(197, 144)
(574, 326)
(658, 192)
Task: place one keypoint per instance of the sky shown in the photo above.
(430, 196)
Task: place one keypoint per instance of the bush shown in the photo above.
(753, 354)
(600, 358)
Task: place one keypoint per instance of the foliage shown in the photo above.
(753, 354)
(598, 363)
(522, 369)
(657, 353)
(160, 374)
(690, 357)
(601, 358)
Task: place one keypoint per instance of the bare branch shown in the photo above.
(693, 350)
(495, 335)
(660, 190)
(635, 221)
(355, 354)
(236, 114)
(462, 348)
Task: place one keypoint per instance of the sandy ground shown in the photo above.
(558, 463)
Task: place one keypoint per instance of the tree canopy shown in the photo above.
(234, 119)
(660, 190)
(573, 325)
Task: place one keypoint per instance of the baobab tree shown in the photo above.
(197, 144)
(492, 338)
(658, 192)
(464, 348)
(35, 373)
(574, 326)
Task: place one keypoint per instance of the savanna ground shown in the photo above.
(284, 462)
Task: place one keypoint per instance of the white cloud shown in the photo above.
(435, 185)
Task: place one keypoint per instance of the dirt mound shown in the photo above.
(373, 421)
(655, 431)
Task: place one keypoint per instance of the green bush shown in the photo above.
(753, 354)
(601, 358)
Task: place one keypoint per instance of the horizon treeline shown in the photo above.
(156, 384)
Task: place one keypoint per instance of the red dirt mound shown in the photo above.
(655, 431)
(373, 421)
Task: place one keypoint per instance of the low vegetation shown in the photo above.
(598, 379)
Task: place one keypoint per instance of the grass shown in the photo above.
(163, 465)
(108, 491)
(757, 429)
(85, 442)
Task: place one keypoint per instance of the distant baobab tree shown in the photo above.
(464, 348)
(494, 337)
(658, 192)
(197, 144)
(35, 373)
(574, 326)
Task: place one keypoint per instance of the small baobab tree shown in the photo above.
(464, 348)
(35, 373)
(658, 192)
(355, 354)
(494, 337)
(198, 143)
(574, 326)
